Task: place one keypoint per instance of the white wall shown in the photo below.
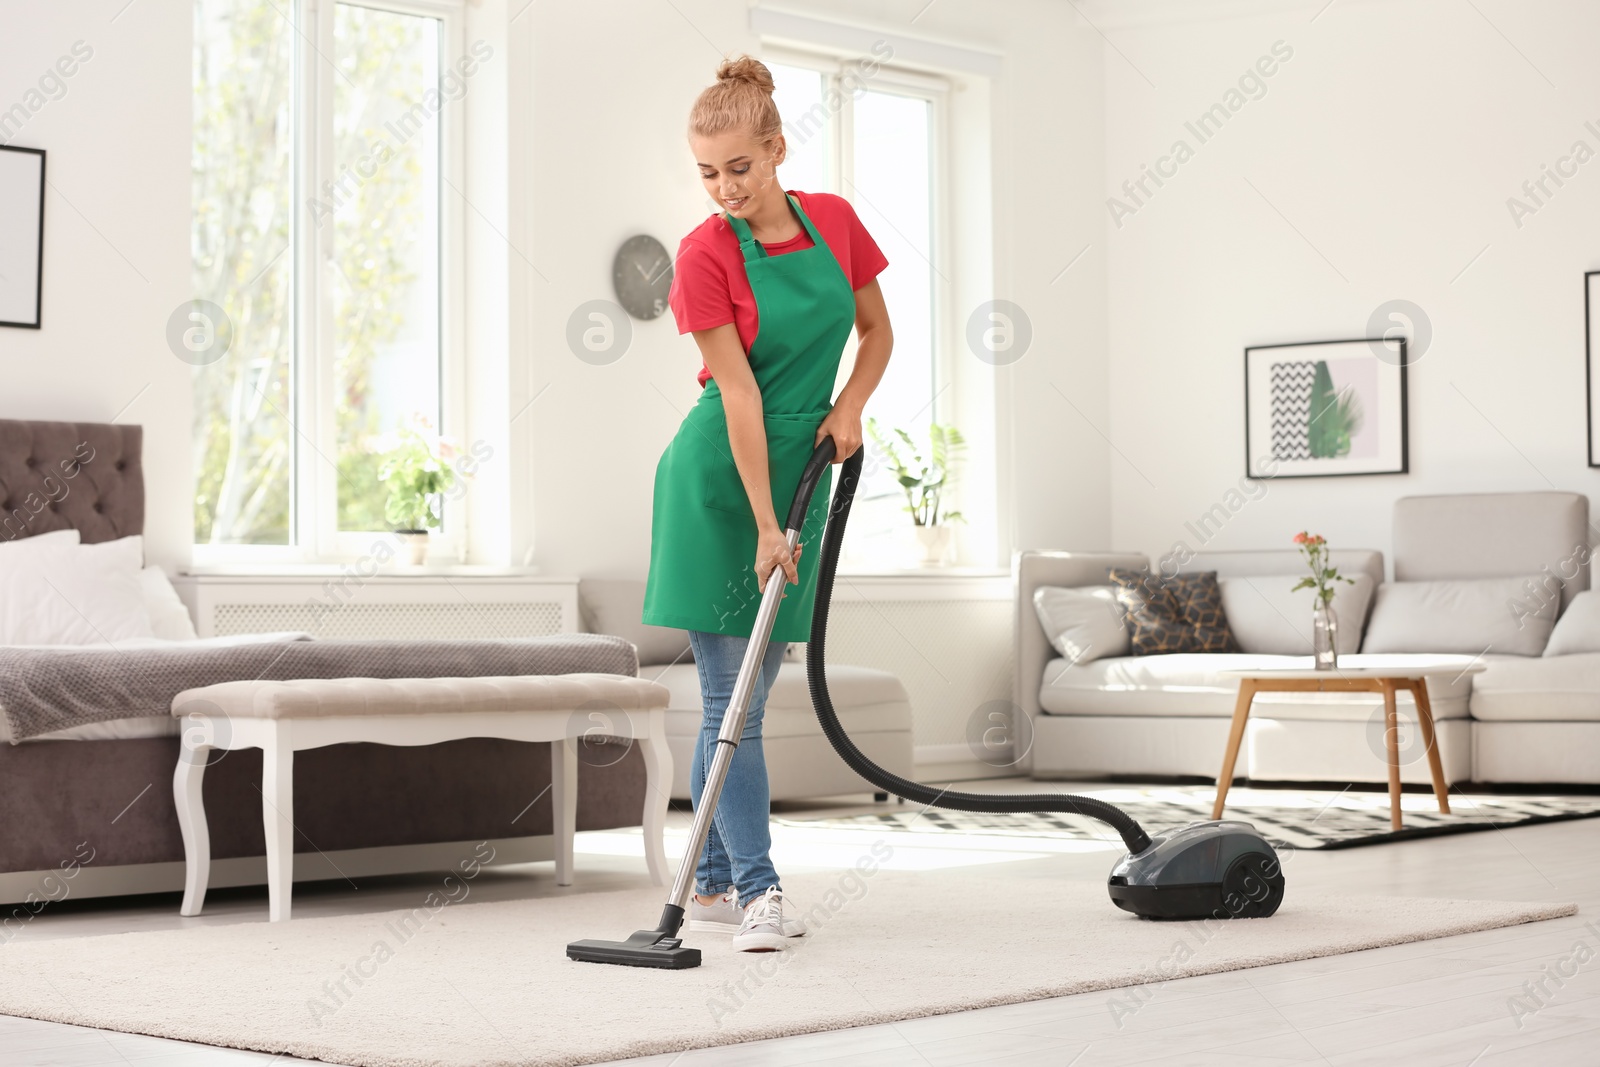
(1376, 167)
(116, 258)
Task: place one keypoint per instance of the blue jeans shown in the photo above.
(737, 849)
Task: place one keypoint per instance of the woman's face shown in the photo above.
(738, 173)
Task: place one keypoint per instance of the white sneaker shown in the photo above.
(724, 916)
(721, 916)
(764, 928)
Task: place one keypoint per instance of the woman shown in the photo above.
(770, 288)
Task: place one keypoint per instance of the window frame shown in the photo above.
(313, 426)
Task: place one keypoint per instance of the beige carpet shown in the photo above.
(488, 984)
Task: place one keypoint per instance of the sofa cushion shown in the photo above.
(1082, 624)
(614, 606)
(1578, 628)
(1193, 684)
(866, 699)
(1487, 535)
(1469, 616)
(1267, 614)
(1562, 688)
(1173, 614)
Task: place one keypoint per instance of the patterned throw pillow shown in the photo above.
(1201, 599)
(1154, 614)
(1182, 613)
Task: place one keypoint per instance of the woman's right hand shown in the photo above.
(772, 551)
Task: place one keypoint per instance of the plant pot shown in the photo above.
(416, 543)
(935, 540)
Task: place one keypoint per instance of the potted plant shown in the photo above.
(416, 474)
(924, 480)
(1324, 623)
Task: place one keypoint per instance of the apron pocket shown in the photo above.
(790, 442)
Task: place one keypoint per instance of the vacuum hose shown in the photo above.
(1132, 833)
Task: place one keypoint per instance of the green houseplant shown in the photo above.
(415, 473)
(925, 469)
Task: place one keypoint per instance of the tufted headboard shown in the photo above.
(70, 475)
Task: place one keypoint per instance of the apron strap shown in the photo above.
(751, 247)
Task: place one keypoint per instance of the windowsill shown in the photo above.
(925, 572)
(319, 570)
(481, 571)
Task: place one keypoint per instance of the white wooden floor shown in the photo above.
(1445, 1002)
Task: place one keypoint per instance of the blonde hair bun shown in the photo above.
(740, 99)
(749, 70)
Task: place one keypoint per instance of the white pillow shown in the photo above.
(54, 539)
(169, 618)
(59, 593)
(1464, 615)
(1269, 616)
(1578, 628)
(1083, 623)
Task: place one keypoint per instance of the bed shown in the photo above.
(86, 809)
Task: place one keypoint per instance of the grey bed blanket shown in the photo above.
(48, 689)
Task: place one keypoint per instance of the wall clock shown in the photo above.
(641, 275)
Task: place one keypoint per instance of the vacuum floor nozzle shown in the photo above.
(661, 947)
(647, 948)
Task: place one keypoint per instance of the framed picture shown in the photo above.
(1591, 339)
(21, 235)
(1323, 408)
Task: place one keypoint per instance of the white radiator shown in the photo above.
(384, 606)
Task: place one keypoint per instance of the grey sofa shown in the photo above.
(1524, 718)
(872, 704)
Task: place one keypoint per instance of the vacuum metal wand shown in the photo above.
(732, 727)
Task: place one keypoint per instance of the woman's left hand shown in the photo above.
(843, 424)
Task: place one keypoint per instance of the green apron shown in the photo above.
(702, 530)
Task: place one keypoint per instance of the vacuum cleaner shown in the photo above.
(1204, 870)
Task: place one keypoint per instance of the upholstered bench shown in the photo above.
(281, 717)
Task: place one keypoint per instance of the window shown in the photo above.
(324, 142)
(873, 138)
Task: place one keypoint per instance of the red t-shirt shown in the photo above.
(709, 287)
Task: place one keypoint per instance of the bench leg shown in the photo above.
(277, 817)
(189, 798)
(564, 809)
(657, 783)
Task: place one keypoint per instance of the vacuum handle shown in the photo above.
(808, 483)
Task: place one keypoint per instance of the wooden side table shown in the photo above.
(1392, 674)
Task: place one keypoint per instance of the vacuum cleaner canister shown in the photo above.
(1205, 870)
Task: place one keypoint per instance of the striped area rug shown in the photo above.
(1296, 818)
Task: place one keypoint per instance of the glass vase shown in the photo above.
(1324, 638)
